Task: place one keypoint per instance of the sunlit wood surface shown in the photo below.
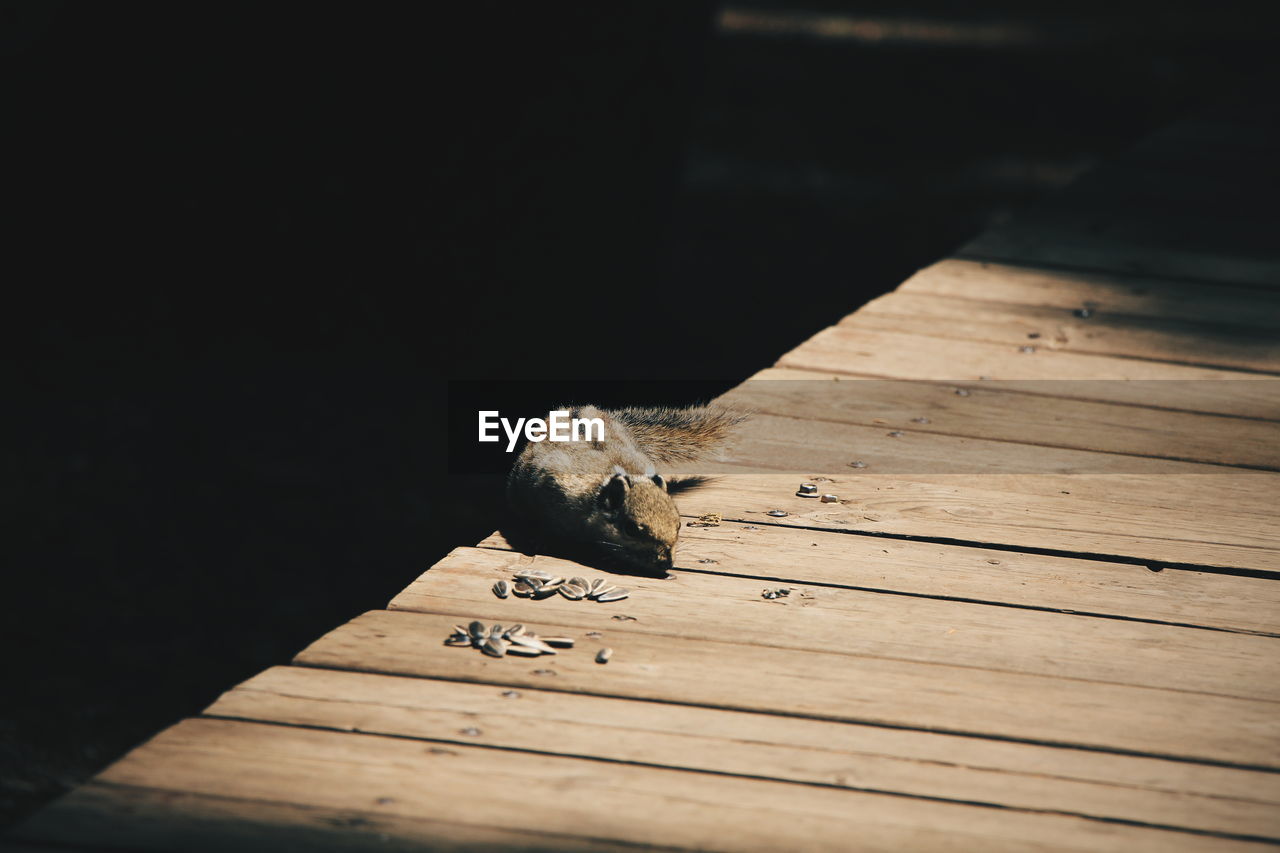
(1041, 611)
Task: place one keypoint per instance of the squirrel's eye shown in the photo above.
(630, 528)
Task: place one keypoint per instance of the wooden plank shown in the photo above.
(1044, 241)
(895, 355)
(777, 554)
(697, 606)
(826, 685)
(1223, 521)
(1013, 775)
(480, 791)
(1104, 293)
(990, 412)
(129, 817)
(1178, 342)
(801, 444)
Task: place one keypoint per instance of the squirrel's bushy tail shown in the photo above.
(679, 435)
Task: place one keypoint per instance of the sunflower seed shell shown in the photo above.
(532, 643)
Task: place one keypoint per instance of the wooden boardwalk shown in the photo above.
(1045, 612)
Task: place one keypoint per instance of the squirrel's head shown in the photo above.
(641, 521)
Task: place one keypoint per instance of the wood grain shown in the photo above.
(925, 764)
(990, 412)
(1121, 247)
(131, 817)
(1205, 520)
(1197, 342)
(832, 686)
(1105, 293)
(781, 442)
(1012, 684)
(778, 554)
(378, 783)
(697, 607)
(897, 355)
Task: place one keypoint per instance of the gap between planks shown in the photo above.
(827, 445)
(698, 607)
(376, 781)
(1249, 349)
(1063, 291)
(138, 817)
(930, 766)
(843, 688)
(992, 413)
(969, 364)
(1220, 521)
(974, 574)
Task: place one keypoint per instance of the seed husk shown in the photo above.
(573, 592)
(458, 641)
(523, 651)
(562, 642)
(582, 582)
(596, 586)
(603, 655)
(477, 630)
(502, 589)
(495, 646)
(532, 643)
(616, 594)
(535, 574)
(514, 631)
(523, 589)
(495, 631)
(601, 590)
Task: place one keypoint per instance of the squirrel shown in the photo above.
(608, 494)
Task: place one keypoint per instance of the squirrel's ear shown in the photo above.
(614, 491)
(657, 478)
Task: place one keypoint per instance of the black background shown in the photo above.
(249, 244)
